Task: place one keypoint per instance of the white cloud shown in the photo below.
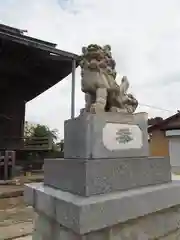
(144, 36)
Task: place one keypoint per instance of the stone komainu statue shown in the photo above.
(98, 82)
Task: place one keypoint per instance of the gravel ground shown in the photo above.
(175, 177)
(25, 238)
(16, 219)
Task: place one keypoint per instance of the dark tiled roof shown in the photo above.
(163, 124)
(30, 65)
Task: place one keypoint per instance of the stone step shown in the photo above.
(91, 177)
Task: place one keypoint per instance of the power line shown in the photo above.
(158, 108)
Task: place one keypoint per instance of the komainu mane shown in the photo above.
(98, 82)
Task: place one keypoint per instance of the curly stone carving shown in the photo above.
(98, 82)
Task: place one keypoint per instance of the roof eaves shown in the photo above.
(159, 124)
(5, 28)
(29, 41)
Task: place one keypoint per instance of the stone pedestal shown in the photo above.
(106, 187)
(92, 177)
(154, 212)
(94, 136)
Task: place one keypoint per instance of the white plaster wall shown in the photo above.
(174, 151)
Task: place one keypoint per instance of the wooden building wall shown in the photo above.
(159, 143)
(12, 114)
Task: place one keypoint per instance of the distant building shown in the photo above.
(165, 139)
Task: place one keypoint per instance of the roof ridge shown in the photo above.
(12, 30)
(164, 121)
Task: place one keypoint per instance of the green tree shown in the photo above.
(35, 159)
(38, 131)
(44, 131)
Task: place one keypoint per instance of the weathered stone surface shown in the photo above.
(29, 196)
(87, 135)
(99, 84)
(175, 235)
(152, 226)
(85, 177)
(47, 229)
(44, 226)
(163, 225)
(83, 215)
(38, 236)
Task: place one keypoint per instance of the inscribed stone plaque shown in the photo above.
(118, 136)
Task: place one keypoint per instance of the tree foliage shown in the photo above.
(44, 131)
(35, 159)
(152, 121)
(39, 130)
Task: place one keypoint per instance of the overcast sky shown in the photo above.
(145, 40)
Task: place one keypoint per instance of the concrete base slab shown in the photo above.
(85, 214)
(86, 177)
